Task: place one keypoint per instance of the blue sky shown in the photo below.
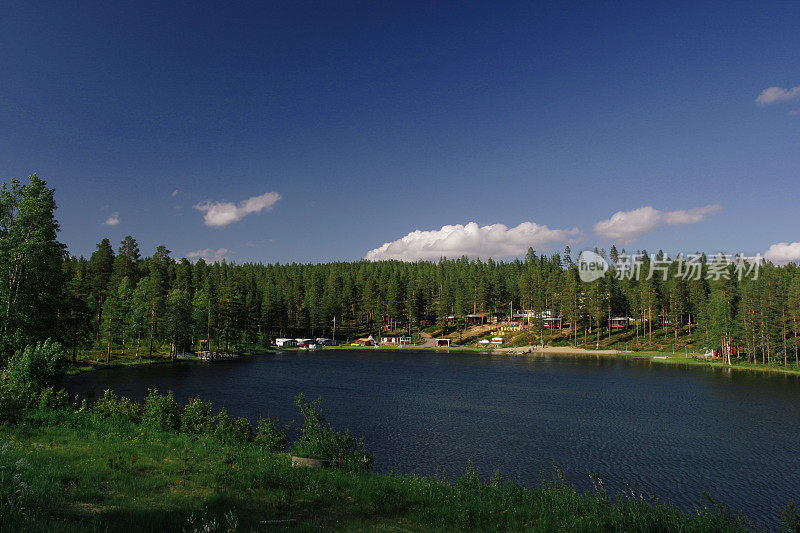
(371, 121)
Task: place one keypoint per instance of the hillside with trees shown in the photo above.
(119, 300)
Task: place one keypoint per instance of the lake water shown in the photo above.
(661, 430)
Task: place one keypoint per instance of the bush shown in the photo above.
(51, 398)
(320, 441)
(317, 440)
(161, 412)
(272, 435)
(13, 401)
(38, 366)
(110, 406)
(197, 417)
(352, 454)
(231, 430)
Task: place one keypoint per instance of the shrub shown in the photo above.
(352, 454)
(790, 520)
(317, 440)
(110, 406)
(38, 366)
(320, 441)
(231, 430)
(13, 401)
(161, 411)
(197, 417)
(272, 435)
(52, 398)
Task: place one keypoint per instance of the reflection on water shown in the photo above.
(655, 429)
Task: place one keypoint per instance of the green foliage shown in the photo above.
(272, 435)
(52, 398)
(205, 522)
(161, 411)
(233, 431)
(30, 265)
(52, 474)
(320, 441)
(111, 406)
(13, 401)
(197, 418)
(148, 304)
(31, 380)
(178, 318)
(14, 483)
(790, 519)
(37, 366)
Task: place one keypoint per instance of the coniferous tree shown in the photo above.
(101, 267)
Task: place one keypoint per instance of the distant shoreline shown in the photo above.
(521, 351)
(565, 351)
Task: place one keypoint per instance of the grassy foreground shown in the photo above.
(73, 470)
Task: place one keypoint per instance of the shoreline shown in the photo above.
(654, 356)
(561, 351)
(166, 478)
(565, 351)
(123, 361)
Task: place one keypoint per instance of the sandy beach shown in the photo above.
(558, 350)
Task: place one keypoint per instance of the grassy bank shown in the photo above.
(664, 357)
(76, 471)
(118, 360)
(97, 360)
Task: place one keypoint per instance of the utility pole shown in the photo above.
(334, 329)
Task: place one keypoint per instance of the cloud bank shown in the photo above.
(776, 95)
(627, 226)
(217, 214)
(209, 255)
(493, 241)
(113, 220)
(783, 252)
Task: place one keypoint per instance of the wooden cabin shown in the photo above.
(390, 338)
(619, 322)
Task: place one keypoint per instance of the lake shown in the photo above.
(670, 431)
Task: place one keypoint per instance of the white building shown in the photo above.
(285, 343)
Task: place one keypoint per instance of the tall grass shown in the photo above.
(78, 468)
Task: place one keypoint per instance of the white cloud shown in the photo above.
(224, 213)
(783, 252)
(627, 226)
(775, 95)
(209, 255)
(113, 220)
(691, 216)
(495, 241)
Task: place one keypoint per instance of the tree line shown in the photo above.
(118, 299)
